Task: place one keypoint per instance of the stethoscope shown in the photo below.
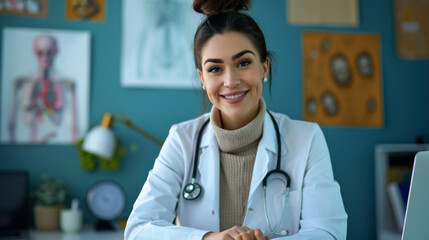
(193, 190)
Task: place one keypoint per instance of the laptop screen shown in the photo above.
(416, 224)
(14, 202)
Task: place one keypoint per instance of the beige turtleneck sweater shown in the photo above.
(237, 151)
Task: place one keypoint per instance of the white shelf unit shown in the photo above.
(396, 159)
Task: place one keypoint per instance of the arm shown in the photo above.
(154, 209)
(323, 215)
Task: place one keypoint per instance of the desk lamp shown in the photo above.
(101, 141)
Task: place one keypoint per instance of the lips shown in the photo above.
(234, 97)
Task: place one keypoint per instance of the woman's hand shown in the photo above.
(251, 235)
(236, 233)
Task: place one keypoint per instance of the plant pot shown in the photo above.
(47, 217)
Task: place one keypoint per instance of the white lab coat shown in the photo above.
(314, 209)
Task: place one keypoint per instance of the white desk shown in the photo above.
(87, 233)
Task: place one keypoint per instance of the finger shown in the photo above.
(238, 237)
(247, 228)
(245, 236)
(251, 234)
(228, 237)
(259, 235)
(236, 230)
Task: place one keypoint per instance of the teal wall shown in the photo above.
(405, 86)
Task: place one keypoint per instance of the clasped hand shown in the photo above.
(236, 233)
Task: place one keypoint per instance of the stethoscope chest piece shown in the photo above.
(191, 191)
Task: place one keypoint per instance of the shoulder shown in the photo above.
(189, 128)
(291, 125)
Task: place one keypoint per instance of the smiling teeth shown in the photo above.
(234, 96)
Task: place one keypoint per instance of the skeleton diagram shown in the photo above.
(43, 103)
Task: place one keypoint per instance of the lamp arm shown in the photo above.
(143, 132)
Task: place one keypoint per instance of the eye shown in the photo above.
(244, 63)
(214, 70)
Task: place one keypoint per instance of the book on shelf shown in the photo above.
(398, 194)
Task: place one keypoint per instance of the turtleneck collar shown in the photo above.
(239, 139)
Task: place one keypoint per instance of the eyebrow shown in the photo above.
(238, 55)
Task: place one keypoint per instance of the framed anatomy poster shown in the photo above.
(342, 79)
(157, 44)
(45, 85)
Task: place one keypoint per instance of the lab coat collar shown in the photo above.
(269, 138)
(266, 156)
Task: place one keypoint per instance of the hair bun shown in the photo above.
(211, 7)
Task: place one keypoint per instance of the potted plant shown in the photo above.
(49, 194)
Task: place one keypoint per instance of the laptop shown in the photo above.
(14, 204)
(416, 225)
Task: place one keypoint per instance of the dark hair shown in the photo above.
(225, 16)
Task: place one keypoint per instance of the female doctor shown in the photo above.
(240, 171)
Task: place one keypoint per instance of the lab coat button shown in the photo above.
(250, 209)
(213, 212)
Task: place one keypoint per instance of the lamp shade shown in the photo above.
(101, 142)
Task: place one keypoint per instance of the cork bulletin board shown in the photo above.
(342, 79)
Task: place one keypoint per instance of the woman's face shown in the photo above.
(232, 74)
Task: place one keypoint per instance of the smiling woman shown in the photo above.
(225, 174)
(232, 75)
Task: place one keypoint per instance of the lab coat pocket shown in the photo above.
(275, 200)
(284, 213)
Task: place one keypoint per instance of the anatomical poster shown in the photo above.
(157, 38)
(342, 79)
(45, 86)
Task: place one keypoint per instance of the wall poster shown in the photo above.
(412, 28)
(342, 79)
(90, 10)
(326, 12)
(45, 86)
(28, 8)
(157, 44)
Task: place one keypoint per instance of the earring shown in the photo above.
(265, 79)
(204, 87)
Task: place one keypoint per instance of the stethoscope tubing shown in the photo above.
(278, 170)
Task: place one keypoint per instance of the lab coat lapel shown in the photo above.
(266, 155)
(208, 168)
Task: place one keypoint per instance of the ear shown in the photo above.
(266, 66)
(200, 74)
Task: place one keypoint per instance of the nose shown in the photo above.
(232, 79)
